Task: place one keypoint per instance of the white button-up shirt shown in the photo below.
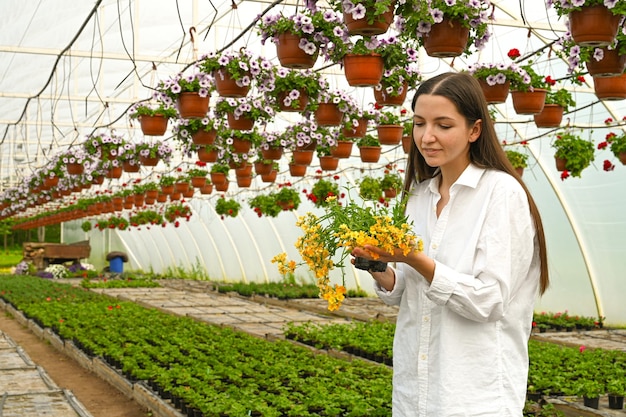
(461, 342)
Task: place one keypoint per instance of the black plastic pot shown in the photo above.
(369, 265)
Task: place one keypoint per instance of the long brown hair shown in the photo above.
(464, 91)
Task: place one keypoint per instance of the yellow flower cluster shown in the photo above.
(284, 267)
(334, 295)
(312, 247)
(383, 234)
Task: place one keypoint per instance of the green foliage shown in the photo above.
(321, 190)
(86, 226)
(562, 97)
(263, 204)
(617, 143)
(391, 181)
(517, 159)
(227, 207)
(146, 109)
(370, 188)
(578, 152)
(368, 140)
(220, 168)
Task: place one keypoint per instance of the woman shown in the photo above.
(466, 302)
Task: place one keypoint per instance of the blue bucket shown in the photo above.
(116, 265)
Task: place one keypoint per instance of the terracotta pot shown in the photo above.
(362, 27)
(593, 26)
(153, 125)
(551, 116)
(241, 145)
(610, 88)
(74, 168)
(270, 176)
(114, 172)
(407, 140)
(128, 206)
(139, 200)
(150, 201)
(529, 102)
(189, 193)
(328, 114)
(520, 171)
(384, 99)
(243, 170)
(390, 193)
(263, 169)
(152, 193)
(198, 182)
(302, 157)
(342, 150)
(370, 153)
(611, 65)
(244, 182)
(328, 163)
(206, 188)
(49, 182)
(495, 94)
(243, 123)
(98, 180)
(622, 157)
(355, 132)
(561, 164)
(297, 105)
(148, 162)
(191, 105)
(363, 70)
(226, 86)
(390, 134)
(222, 187)
(205, 155)
(286, 205)
(175, 196)
(203, 137)
(167, 189)
(446, 39)
(218, 178)
(272, 153)
(181, 187)
(296, 170)
(290, 55)
(128, 167)
(162, 198)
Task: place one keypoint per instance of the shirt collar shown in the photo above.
(469, 178)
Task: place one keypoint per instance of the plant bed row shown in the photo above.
(206, 370)
(555, 370)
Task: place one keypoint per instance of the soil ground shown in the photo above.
(96, 395)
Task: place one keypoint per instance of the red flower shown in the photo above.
(608, 166)
(176, 223)
(582, 348)
(201, 163)
(514, 53)
(610, 136)
(603, 145)
(564, 175)
(608, 121)
(110, 307)
(550, 80)
(580, 79)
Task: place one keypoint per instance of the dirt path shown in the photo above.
(96, 395)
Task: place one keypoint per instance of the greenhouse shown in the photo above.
(81, 81)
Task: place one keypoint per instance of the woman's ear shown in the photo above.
(476, 130)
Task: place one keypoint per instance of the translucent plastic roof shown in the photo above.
(68, 68)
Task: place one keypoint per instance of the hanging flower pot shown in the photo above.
(244, 182)
(242, 123)
(611, 65)
(114, 172)
(342, 150)
(356, 131)
(152, 193)
(148, 161)
(270, 176)
(49, 182)
(128, 166)
(297, 104)
(243, 170)
(204, 137)
(551, 116)
(610, 88)
(74, 168)
(529, 102)
(162, 198)
(218, 178)
(262, 168)
(139, 200)
(198, 182)
(446, 39)
(206, 188)
(167, 189)
(362, 27)
(153, 125)
(241, 145)
(369, 153)
(390, 193)
(227, 86)
(207, 155)
(390, 134)
(328, 114)
(181, 187)
(272, 153)
(221, 187)
(192, 105)
(98, 179)
(622, 157)
(406, 143)
(385, 99)
(296, 170)
(328, 163)
(175, 196)
(290, 55)
(495, 94)
(593, 25)
(189, 193)
(303, 157)
(363, 70)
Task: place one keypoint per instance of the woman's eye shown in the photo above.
(418, 124)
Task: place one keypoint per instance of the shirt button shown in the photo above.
(434, 246)
(426, 319)
(423, 357)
